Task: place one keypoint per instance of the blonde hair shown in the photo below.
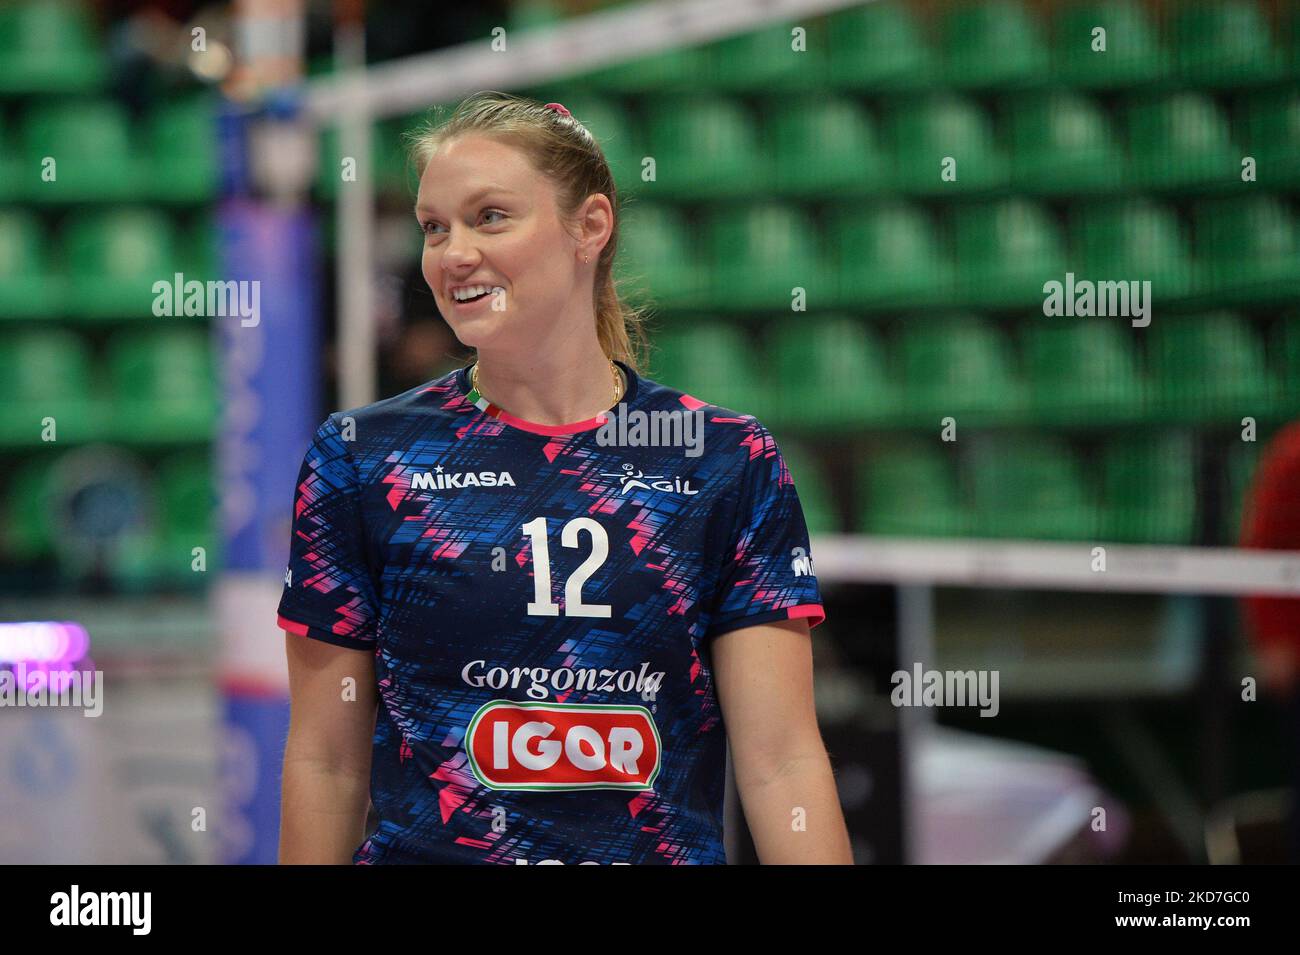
(563, 150)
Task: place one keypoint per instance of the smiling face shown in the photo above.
(489, 218)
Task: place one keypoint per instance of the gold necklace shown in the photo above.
(618, 381)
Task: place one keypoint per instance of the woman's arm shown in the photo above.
(765, 686)
(326, 788)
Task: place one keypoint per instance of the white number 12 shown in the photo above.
(542, 605)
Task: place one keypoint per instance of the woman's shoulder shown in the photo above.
(441, 395)
(661, 395)
(725, 427)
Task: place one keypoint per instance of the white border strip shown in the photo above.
(1039, 565)
(536, 55)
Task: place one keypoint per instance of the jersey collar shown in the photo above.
(505, 417)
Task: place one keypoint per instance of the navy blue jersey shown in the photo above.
(540, 600)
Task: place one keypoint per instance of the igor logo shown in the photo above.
(563, 746)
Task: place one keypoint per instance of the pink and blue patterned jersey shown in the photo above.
(540, 602)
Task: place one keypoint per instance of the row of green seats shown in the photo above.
(1037, 488)
(153, 547)
(1053, 142)
(980, 254)
(52, 46)
(101, 264)
(157, 386)
(88, 150)
(991, 44)
(1027, 486)
(834, 372)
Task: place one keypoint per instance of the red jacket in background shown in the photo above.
(1271, 520)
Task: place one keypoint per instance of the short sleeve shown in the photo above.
(767, 567)
(329, 593)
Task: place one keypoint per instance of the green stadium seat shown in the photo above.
(1284, 347)
(758, 254)
(163, 385)
(1133, 240)
(1241, 463)
(27, 532)
(1082, 371)
(1270, 132)
(189, 501)
(188, 495)
(164, 558)
(49, 46)
(27, 289)
(1224, 43)
(393, 172)
(887, 254)
(1132, 57)
(824, 143)
(183, 151)
(832, 373)
(45, 374)
(399, 175)
(657, 257)
(1290, 38)
(877, 46)
(329, 163)
(993, 43)
(199, 253)
(119, 255)
(1208, 367)
(11, 165)
(1061, 142)
(90, 145)
(675, 70)
(704, 147)
(956, 366)
(1006, 251)
(1149, 489)
(1029, 487)
(815, 498)
(765, 60)
(909, 488)
(1248, 247)
(1180, 140)
(927, 131)
(716, 363)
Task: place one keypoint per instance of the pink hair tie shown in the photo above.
(558, 107)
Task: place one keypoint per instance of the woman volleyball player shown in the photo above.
(532, 635)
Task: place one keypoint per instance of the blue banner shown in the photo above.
(268, 357)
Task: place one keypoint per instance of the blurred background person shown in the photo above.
(1272, 521)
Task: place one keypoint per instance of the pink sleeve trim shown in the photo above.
(292, 626)
(814, 612)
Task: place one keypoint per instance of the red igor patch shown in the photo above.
(515, 745)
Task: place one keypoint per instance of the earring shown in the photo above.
(585, 258)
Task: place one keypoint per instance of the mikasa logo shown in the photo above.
(635, 477)
(435, 480)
